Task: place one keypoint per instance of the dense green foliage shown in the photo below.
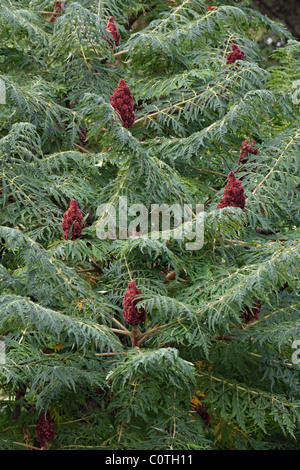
(62, 140)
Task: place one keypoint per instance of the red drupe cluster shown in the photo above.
(253, 313)
(246, 150)
(209, 7)
(204, 414)
(82, 135)
(122, 101)
(46, 351)
(58, 9)
(111, 27)
(132, 315)
(73, 218)
(45, 429)
(236, 54)
(233, 195)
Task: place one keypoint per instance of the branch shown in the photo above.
(28, 446)
(81, 148)
(122, 332)
(120, 53)
(110, 353)
(89, 270)
(145, 335)
(120, 324)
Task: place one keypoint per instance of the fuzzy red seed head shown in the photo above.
(122, 101)
(59, 5)
(236, 54)
(252, 314)
(209, 7)
(45, 429)
(233, 195)
(73, 216)
(247, 149)
(133, 315)
(46, 351)
(204, 414)
(111, 27)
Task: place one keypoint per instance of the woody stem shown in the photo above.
(135, 336)
(121, 332)
(120, 324)
(145, 335)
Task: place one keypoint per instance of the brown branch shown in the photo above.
(110, 353)
(120, 324)
(48, 13)
(171, 276)
(81, 148)
(212, 189)
(122, 332)
(28, 446)
(213, 172)
(235, 242)
(145, 335)
(120, 53)
(90, 270)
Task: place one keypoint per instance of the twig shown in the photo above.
(90, 270)
(235, 242)
(81, 148)
(24, 445)
(145, 335)
(172, 276)
(120, 53)
(110, 353)
(212, 189)
(122, 332)
(213, 172)
(48, 13)
(120, 324)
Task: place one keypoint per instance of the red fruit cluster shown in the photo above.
(82, 135)
(132, 315)
(236, 54)
(209, 7)
(253, 313)
(246, 150)
(122, 101)
(58, 8)
(204, 414)
(73, 218)
(45, 429)
(233, 195)
(111, 27)
(46, 351)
